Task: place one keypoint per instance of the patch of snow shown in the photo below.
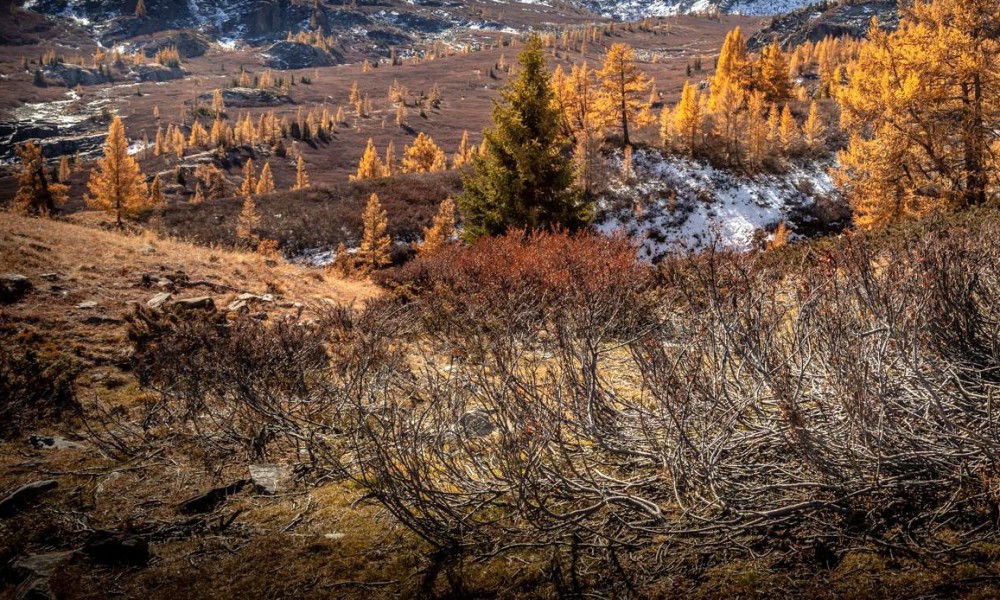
(673, 204)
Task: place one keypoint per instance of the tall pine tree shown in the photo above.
(524, 179)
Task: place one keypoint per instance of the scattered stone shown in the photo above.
(158, 300)
(197, 303)
(211, 499)
(477, 423)
(89, 304)
(101, 320)
(33, 573)
(335, 536)
(25, 495)
(49, 276)
(271, 478)
(260, 316)
(237, 306)
(291, 305)
(114, 549)
(13, 287)
(255, 298)
(51, 442)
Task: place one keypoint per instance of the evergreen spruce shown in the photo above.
(524, 178)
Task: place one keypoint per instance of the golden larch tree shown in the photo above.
(726, 106)
(65, 170)
(371, 165)
(424, 156)
(666, 127)
(375, 241)
(248, 222)
(117, 186)
(156, 192)
(814, 131)
(390, 158)
(199, 136)
(442, 230)
(265, 183)
(757, 130)
(688, 118)
(249, 186)
(301, 177)
(466, 152)
(733, 68)
(774, 73)
(624, 89)
(789, 133)
(920, 107)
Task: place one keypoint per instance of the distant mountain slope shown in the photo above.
(815, 23)
(637, 9)
(386, 22)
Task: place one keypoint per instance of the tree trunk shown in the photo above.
(975, 173)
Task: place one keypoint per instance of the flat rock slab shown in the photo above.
(271, 478)
(24, 496)
(197, 303)
(89, 304)
(158, 300)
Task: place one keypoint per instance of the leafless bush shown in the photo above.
(540, 395)
(35, 387)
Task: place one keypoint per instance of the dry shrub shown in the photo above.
(236, 380)
(36, 387)
(539, 394)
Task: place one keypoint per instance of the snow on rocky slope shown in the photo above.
(637, 9)
(672, 204)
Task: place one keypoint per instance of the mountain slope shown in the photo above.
(637, 9)
(815, 23)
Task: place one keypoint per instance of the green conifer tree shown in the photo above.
(525, 177)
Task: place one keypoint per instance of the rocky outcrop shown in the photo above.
(74, 75)
(295, 55)
(154, 72)
(813, 24)
(249, 97)
(189, 44)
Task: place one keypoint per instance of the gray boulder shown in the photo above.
(271, 478)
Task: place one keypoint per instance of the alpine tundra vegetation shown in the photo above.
(500, 299)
